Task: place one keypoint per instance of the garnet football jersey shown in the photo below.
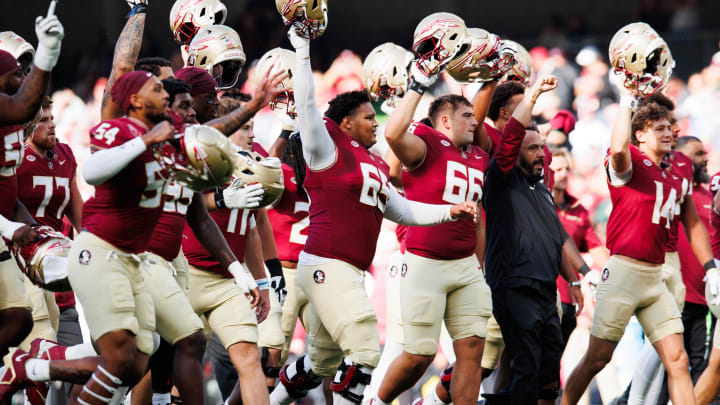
(289, 218)
(714, 229)
(124, 210)
(44, 184)
(11, 156)
(257, 148)
(167, 235)
(447, 175)
(643, 210)
(693, 271)
(495, 135)
(235, 226)
(576, 221)
(682, 172)
(347, 202)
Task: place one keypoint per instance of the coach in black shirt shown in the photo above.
(523, 256)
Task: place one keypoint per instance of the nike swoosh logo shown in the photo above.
(62, 162)
(681, 164)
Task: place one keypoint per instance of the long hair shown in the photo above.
(293, 157)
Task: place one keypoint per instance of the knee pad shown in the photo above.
(298, 378)
(270, 372)
(549, 394)
(446, 377)
(350, 380)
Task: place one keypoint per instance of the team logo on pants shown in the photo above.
(319, 276)
(84, 257)
(605, 274)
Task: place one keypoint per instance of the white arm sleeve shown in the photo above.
(8, 227)
(102, 165)
(619, 179)
(318, 147)
(413, 213)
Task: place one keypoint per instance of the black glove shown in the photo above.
(277, 281)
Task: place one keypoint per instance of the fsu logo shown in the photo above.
(355, 144)
(393, 271)
(319, 277)
(84, 257)
(31, 158)
(605, 274)
(445, 143)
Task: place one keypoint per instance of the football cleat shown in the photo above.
(13, 375)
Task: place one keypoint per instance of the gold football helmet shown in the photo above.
(276, 60)
(438, 38)
(45, 261)
(642, 58)
(522, 69)
(309, 17)
(218, 49)
(252, 168)
(483, 61)
(188, 16)
(203, 158)
(385, 73)
(16, 46)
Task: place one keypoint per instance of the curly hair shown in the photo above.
(658, 98)
(345, 104)
(152, 64)
(502, 95)
(452, 101)
(644, 118)
(174, 87)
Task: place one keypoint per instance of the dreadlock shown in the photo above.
(293, 157)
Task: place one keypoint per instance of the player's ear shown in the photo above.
(346, 123)
(135, 102)
(445, 121)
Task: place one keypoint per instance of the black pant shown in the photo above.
(530, 326)
(225, 372)
(695, 336)
(568, 322)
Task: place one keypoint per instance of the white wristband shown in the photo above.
(262, 283)
(628, 102)
(46, 58)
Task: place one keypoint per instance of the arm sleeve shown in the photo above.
(618, 179)
(507, 151)
(318, 147)
(413, 213)
(101, 166)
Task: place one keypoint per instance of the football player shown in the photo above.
(440, 281)
(181, 102)
(644, 196)
(342, 177)
(160, 67)
(20, 99)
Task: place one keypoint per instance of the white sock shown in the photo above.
(38, 369)
(80, 351)
(433, 399)
(161, 399)
(341, 400)
(280, 396)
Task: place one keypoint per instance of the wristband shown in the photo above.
(575, 284)
(263, 284)
(628, 102)
(139, 8)
(274, 267)
(219, 199)
(709, 265)
(584, 269)
(417, 87)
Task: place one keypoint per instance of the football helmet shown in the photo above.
(16, 46)
(276, 60)
(485, 60)
(188, 16)
(642, 58)
(200, 159)
(522, 70)
(385, 73)
(309, 17)
(217, 49)
(45, 261)
(253, 168)
(438, 38)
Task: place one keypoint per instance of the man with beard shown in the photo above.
(523, 257)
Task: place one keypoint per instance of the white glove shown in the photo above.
(422, 77)
(50, 34)
(8, 228)
(301, 44)
(133, 3)
(712, 285)
(237, 196)
(242, 277)
(288, 122)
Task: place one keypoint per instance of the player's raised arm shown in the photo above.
(619, 163)
(22, 106)
(318, 148)
(127, 49)
(481, 105)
